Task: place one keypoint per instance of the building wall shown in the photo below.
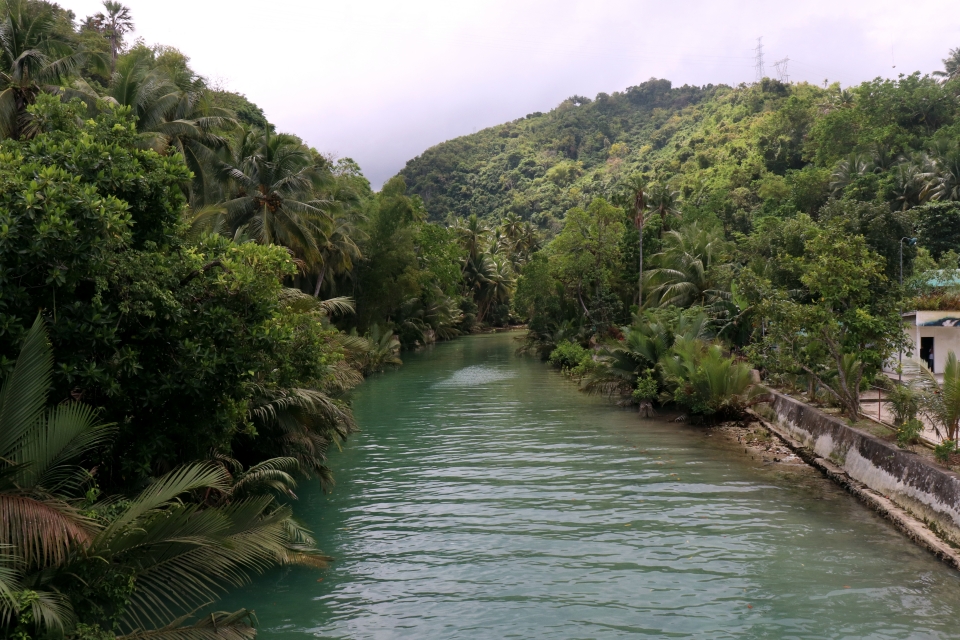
(929, 492)
(944, 339)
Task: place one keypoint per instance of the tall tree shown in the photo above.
(273, 195)
(35, 56)
(636, 192)
(114, 24)
(951, 66)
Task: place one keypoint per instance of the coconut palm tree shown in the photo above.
(908, 184)
(847, 171)
(474, 236)
(686, 273)
(172, 118)
(951, 66)
(944, 179)
(663, 200)
(337, 247)
(34, 57)
(495, 284)
(273, 195)
(637, 198)
(512, 227)
(114, 24)
(301, 424)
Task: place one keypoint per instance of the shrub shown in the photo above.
(703, 381)
(904, 403)
(647, 387)
(909, 432)
(943, 450)
(568, 355)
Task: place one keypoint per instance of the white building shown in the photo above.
(933, 334)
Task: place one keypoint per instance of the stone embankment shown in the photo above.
(919, 497)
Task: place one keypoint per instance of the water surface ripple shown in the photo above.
(487, 498)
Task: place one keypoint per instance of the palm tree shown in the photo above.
(337, 247)
(635, 187)
(951, 66)
(512, 227)
(182, 555)
(39, 448)
(685, 274)
(700, 377)
(382, 348)
(34, 57)
(114, 24)
(941, 400)
(274, 201)
(663, 200)
(172, 118)
(301, 424)
(474, 236)
(643, 346)
(944, 179)
(527, 243)
(847, 171)
(495, 285)
(175, 555)
(908, 186)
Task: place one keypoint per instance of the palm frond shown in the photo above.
(24, 392)
(239, 625)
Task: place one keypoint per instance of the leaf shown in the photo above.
(24, 392)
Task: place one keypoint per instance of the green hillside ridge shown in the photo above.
(735, 152)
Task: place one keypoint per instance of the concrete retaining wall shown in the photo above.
(923, 489)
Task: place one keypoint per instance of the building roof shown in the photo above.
(941, 278)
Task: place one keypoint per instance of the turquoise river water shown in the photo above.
(487, 498)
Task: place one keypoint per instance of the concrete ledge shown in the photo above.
(920, 498)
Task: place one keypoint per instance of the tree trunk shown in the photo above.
(316, 291)
(645, 409)
(640, 278)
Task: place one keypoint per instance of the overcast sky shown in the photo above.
(381, 81)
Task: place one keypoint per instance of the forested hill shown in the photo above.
(737, 152)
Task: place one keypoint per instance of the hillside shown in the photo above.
(736, 152)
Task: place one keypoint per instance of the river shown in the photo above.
(487, 498)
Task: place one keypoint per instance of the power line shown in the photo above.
(782, 74)
(761, 72)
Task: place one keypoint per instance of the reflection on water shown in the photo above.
(476, 375)
(487, 498)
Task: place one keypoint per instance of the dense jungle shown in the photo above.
(188, 294)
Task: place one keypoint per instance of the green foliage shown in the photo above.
(909, 432)
(840, 326)
(703, 381)
(938, 227)
(125, 565)
(168, 338)
(647, 388)
(941, 398)
(247, 112)
(904, 402)
(568, 355)
(945, 450)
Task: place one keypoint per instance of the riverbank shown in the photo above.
(920, 497)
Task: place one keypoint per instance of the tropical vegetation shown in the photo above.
(797, 221)
(188, 294)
